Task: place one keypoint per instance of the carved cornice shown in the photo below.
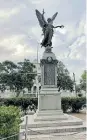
(49, 60)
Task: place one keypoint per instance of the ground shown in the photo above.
(81, 115)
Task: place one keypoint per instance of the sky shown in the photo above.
(20, 33)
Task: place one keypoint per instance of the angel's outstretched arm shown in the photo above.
(62, 26)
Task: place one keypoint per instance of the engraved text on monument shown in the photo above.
(49, 74)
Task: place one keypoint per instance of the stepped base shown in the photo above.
(50, 115)
(60, 136)
(44, 126)
(49, 112)
(56, 130)
(50, 130)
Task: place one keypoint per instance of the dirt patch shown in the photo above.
(81, 115)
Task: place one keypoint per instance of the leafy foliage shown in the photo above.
(74, 103)
(16, 76)
(65, 102)
(82, 85)
(77, 103)
(23, 103)
(83, 81)
(9, 120)
(64, 80)
(80, 95)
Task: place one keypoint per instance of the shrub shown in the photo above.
(23, 103)
(80, 95)
(65, 103)
(75, 103)
(9, 121)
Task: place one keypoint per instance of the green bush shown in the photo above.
(23, 103)
(9, 121)
(77, 103)
(65, 103)
(80, 95)
(74, 103)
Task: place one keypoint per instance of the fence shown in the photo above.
(13, 137)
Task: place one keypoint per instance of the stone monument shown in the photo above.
(49, 99)
(49, 117)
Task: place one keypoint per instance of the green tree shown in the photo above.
(83, 81)
(16, 76)
(27, 74)
(7, 70)
(64, 80)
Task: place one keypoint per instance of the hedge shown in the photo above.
(75, 103)
(9, 121)
(23, 103)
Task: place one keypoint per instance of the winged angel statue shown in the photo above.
(47, 28)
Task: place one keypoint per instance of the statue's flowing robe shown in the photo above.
(48, 33)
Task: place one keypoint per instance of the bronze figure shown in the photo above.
(47, 28)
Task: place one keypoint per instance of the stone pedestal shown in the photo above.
(49, 99)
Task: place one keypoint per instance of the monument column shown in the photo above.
(49, 99)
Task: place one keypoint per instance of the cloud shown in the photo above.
(16, 48)
(5, 14)
(78, 48)
(20, 33)
(36, 1)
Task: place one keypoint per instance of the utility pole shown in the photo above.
(74, 84)
(37, 54)
(36, 78)
(37, 83)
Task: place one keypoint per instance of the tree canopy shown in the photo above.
(64, 80)
(16, 76)
(83, 80)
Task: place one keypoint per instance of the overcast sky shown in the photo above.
(20, 32)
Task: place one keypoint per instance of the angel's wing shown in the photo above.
(54, 16)
(41, 19)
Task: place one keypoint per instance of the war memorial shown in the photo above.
(49, 118)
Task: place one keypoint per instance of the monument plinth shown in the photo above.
(49, 99)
